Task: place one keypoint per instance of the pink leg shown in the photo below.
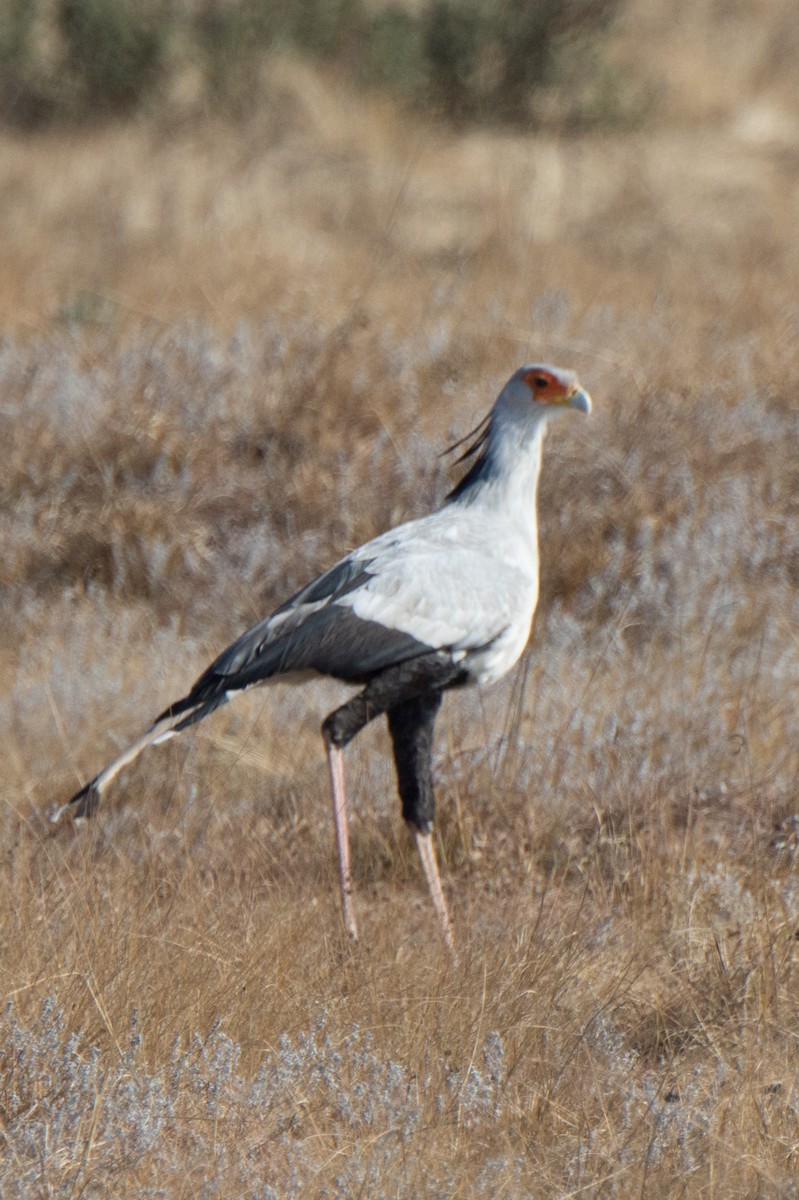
(335, 761)
(427, 853)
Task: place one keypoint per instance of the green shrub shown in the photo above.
(325, 28)
(229, 37)
(394, 57)
(464, 60)
(452, 40)
(487, 61)
(25, 94)
(114, 55)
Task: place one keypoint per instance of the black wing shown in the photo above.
(310, 632)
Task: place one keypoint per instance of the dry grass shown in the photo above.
(227, 359)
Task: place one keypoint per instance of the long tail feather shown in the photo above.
(85, 802)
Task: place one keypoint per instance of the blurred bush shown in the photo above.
(489, 60)
(463, 60)
(114, 52)
(24, 87)
(74, 59)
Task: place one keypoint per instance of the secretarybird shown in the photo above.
(437, 603)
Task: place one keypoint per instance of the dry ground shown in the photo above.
(228, 356)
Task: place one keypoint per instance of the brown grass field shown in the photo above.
(230, 353)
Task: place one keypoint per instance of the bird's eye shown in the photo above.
(541, 381)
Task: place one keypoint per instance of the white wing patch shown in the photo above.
(448, 584)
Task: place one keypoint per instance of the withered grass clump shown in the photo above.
(617, 821)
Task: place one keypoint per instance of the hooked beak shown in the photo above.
(578, 399)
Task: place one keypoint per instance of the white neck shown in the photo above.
(504, 479)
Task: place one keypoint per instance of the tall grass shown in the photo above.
(616, 822)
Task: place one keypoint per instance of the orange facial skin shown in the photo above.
(547, 388)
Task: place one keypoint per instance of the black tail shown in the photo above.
(84, 803)
(194, 709)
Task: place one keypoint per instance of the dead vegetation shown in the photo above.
(229, 356)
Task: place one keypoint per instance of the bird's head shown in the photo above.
(546, 388)
(532, 394)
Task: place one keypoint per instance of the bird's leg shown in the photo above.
(411, 725)
(338, 729)
(427, 853)
(410, 694)
(335, 761)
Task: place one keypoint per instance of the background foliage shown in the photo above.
(88, 59)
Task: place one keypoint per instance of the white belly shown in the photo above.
(489, 665)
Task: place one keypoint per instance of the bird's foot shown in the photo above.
(427, 853)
